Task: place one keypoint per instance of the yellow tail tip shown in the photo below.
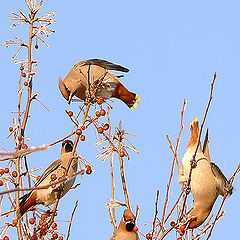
(194, 121)
(137, 99)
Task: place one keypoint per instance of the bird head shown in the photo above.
(129, 220)
(67, 146)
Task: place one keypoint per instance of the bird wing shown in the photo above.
(48, 171)
(223, 185)
(206, 147)
(104, 64)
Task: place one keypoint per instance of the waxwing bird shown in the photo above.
(207, 180)
(125, 229)
(103, 83)
(48, 196)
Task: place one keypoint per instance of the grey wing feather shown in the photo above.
(223, 185)
(49, 170)
(104, 64)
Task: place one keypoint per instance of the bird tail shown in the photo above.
(129, 98)
(27, 201)
(194, 132)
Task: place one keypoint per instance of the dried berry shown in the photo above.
(32, 220)
(1, 182)
(14, 221)
(25, 83)
(149, 236)
(2, 171)
(122, 154)
(99, 101)
(24, 74)
(83, 127)
(24, 146)
(100, 130)
(79, 131)
(83, 138)
(14, 174)
(102, 112)
(70, 113)
(10, 129)
(54, 225)
(97, 113)
(6, 238)
(106, 126)
(53, 178)
(55, 236)
(20, 138)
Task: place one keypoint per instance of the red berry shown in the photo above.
(106, 126)
(34, 237)
(21, 68)
(32, 221)
(135, 229)
(99, 101)
(24, 146)
(100, 130)
(48, 213)
(172, 223)
(44, 215)
(1, 182)
(6, 170)
(54, 225)
(10, 129)
(36, 46)
(182, 228)
(6, 238)
(20, 138)
(88, 167)
(55, 236)
(14, 174)
(97, 113)
(25, 83)
(82, 171)
(24, 74)
(149, 236)
(60, 238)
(83, 138)
(70, 113)
(83, 127)
(89, 172)
(41, 222)
(79, 131)
(122, 154)
(179, 238)
(14, 221)
(102, 112)
(53, 178)
(86, 102)
(38, 177)
(2, 171)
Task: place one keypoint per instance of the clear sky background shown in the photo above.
(173, 49)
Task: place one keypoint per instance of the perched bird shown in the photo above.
(103, 83)
(207, 180)
(125, 229)
(55, 171)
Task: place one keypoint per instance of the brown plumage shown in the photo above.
(105, 84)
(125, 229)
(48, 196)
(207, 180)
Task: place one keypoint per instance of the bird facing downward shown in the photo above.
(207, 180)
(125, 229)
(92, 77)
(57, 170)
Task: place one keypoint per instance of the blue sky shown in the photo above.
(173, 49)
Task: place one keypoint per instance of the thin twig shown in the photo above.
(70, 224)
